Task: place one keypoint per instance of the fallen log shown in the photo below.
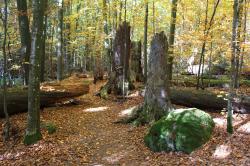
(51, 93)
(207, 100)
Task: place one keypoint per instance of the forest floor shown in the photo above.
(88, 135)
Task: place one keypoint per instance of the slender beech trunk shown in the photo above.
(25, 35)
(60, 43)
(125, 10)
(33, 133)
(43, 54)
(153, 16)
(172, 38)
(210, 63)
(67, 39)
(244, 36)
(6, 130)
(146, 43)
(51, 52)
(239, 43)
(120, 13)
(107, 47)
(203, 49)
(233, 62)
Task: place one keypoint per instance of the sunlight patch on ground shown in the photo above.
(9, 156)
(97, 109)
(222, 151)
(220, 122)
(16, 155)
(114, 158)
(245, 128)
(135, 94)
(127, 112)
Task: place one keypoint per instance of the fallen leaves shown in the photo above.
(91, 138)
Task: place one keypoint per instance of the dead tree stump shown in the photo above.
(156, 100)
(120, 77)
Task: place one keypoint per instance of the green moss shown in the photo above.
(181, 130)
(104, 93)
(32, 138)
(50, 127)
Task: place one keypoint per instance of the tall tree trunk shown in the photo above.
(43, 54)
(6, 130)
(210, 63)
(203, 49)
(172, 38)
(233, 62)
(67, 39)
(125, 10)
(33, 133)
(154, 17)
(239, 43)
(107, 42)
(120, 13)
(25, 35)
(51, 53)
(145, 43)
(244, 36)
(60, 42)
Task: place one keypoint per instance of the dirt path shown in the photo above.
(87, 135)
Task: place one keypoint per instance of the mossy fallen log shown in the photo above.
(207, 100)
(17, 99)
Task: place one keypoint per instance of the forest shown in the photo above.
(125, 82)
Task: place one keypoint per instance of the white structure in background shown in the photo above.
(194, 69)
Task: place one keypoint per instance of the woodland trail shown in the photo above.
(87, 135)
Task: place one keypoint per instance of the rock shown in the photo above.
(181, 130)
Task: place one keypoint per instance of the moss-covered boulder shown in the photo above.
(181, 130)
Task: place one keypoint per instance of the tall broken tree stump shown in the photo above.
(120, 77)
(156, 100)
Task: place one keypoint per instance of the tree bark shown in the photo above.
(234, 46)
(156, 100)
(121, 56)
(145, 43)
(119, 81)
(60, 43)
(25, 36)
(172, 38)
(239, 43)
(136, 65)
(214, 102)
(33, 133)
(203, 49)
(18, 99)
(43, 54)
(244, 36)
(98, 70)
(107, 41)
(6, 130)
